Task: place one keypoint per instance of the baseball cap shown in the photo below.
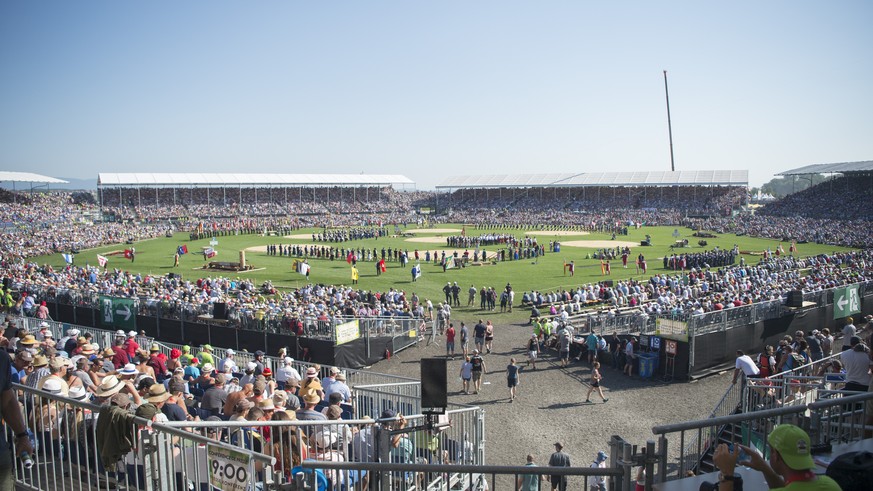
(601, 456)
(230, 352)
(793, 446)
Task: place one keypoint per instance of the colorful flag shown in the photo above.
(101, 260)
(210, 252)
(349, 258)
(416, 271)
(450, 262)
(128, 254)
(182, 249)
(382, 265)
(303, 268)
(68, 258)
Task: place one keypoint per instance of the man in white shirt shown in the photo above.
(856, 361)
(848, 332)
(746, 365)
(228, 361)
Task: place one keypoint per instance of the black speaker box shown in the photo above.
(434, 383)
(795, 299)
(219, 310)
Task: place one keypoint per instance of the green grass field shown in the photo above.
(156, 257)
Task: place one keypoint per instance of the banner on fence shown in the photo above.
(228, 469)
(347, 331)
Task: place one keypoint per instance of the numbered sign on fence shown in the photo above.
(229, 470)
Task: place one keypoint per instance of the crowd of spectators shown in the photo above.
(835, 231)
(846, 198)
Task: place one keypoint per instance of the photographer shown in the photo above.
(790, 467)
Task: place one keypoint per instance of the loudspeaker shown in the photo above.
(434, 385)
(795, 299)
(219, 310)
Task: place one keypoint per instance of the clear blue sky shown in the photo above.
(432, 89)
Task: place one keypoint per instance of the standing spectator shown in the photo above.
(489, 337)
(598, 483)
(827, 343)
(559, 459)
(849, 332)
(479, 336)
(744, 365)
(10, 411)
(591, 343)
(564, 340)
(228, 362)
(615, 350)
(466, 374)
(596, 377)
(766, 362)
(130, 345)
(533, 351)
(465, 337)
(512, 372)
(450, 342)
(478, 370)
(857, 362)
(629, 356)
(529, 482)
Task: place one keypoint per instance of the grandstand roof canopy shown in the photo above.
(653, 178)
(842, 167)
(28, 177)
(216, 179)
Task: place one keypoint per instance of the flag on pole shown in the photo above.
(382, 265)
(303, 268)
(128, 254)
(210, 252)
(68, 258)
(450, 262)
(349, 257)
(182, 249)
(416, 271)
(101, 260)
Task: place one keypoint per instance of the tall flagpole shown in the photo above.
(669, 124)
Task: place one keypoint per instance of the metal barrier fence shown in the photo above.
(831, 419)
(102, 337)
(75, 451)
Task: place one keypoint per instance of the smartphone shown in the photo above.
(744, 457)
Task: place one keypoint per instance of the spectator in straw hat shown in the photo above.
(311, 385)
(30, 343)
(308, 412)
(158, 395)
(57, 371)
(339, 386)
(40, 371)
(157, 363)
(108, 387)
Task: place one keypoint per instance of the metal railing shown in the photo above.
(73, 451)
(829, 419)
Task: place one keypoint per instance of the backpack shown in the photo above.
(852, 471)
(797, 360)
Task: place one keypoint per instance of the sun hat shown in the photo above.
(108, 353)
(121, 400)
(109, 386)
(155, 348)
(207, 347)
(158, 393)
(242, 405)
(207, 367)
(266, 405)
(28, 340)
(267, 372)
(25, 355)
(40, 361)
(793, 445)
(175, 353)
(229, 352)
(251, 366)
(311, 372)
(289, 360)
(48, 335)
(324, 439)
(129, 369)
(78, 393)
(57, 363)
(311, 399)
(280, 398)
(131, 334)
(119, 333)
(341, 376)
(52, 385)
(334, 370)
(334, 412)
(559, 445)
(147, 411)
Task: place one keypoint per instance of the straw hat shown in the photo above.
(266, 405)
(40, 361)
(78, 393)
(158, 393)
(110, 385)
(29, 340)
(311, 399)
(129, 369)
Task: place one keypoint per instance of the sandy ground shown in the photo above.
(427, 240)
(432, 230)
(600, 244)
(299, 236)
(550, 407)
(555, 233)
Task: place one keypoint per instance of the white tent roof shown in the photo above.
(28, 177)
(215, 179)
(863, 166)
(654, 178)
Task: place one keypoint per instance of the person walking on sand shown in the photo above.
(529, 482)
(466, 374)
(478, 370)
(533, 351)
(595, 383)
(512, 372)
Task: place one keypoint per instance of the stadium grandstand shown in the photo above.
(845, 195)
(171, 195)
(36, 182)
(692, 193)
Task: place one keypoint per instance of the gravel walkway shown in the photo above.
(550, 403)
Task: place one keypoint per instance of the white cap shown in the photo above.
(251, 366)
(131, 334)
(289, 360)
(230, 352)
(120, 333)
